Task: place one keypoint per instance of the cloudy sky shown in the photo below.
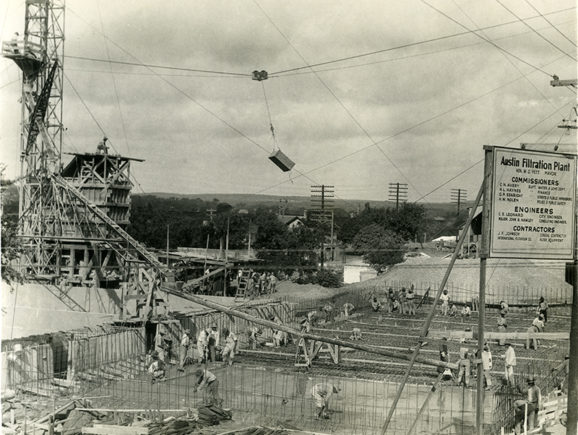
(417, 111)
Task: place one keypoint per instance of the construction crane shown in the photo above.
(72, 217)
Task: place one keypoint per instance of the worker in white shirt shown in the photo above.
(230, 348)
(183, 351)
(537, 326)
(322, 393)
(348, 308)
(207, 380)
(487, 365)
(202, 344)
(510, 363)
(445, 301)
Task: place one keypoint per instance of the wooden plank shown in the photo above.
(497, 335)
(115, 430)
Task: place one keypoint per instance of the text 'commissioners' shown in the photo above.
(533, 205)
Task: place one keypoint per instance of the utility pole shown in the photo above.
(282, 206)
(572, 409)
(167, 245)
(322, 198)
(457, 197)
(398, 193)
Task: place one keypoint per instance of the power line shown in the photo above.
(481, 160)
(534, 30)
(551, 24)
(510, 61)
(202, 106)
(353, 118)
(411, 44)
(148, 65)
(428, 53)
(425, 121)
(113, 81)
(487, 40)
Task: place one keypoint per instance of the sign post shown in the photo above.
(529, 213)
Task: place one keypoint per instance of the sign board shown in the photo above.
(532, 205)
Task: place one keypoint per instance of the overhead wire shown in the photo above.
(147, 65)
(487, 40)
(411, 44)
(551, 24)
(510, 61)
(410, 56)
(505, 145)
(425, 121)
(122, 123)
(98, 124)
(345, 108)
(202, 106)
(535, 31)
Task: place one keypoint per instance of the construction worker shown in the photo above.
(410, 301)
(537, 326)
(504, 308)
(157, 369)
(356, 334)
(312, 318)
(510, 363)
(253, 334)
(445, 357)
(403, 301)
(184, 349)
(230, 348)
(206, 379)
(502, 326)
(329, 312)
(272, 283)
(348, 308)
(305, 325)
(322, 393)
(445, 302)
(487, 365)
(466, 311)
(213, 343)
(464, 368)
(453, 310)
(390, 299)
(202, 344)
(543, 308)
(534, 402)
(160, 343)
(375, 304)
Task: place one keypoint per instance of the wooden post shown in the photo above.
(425, 329)
(572, 425)
(484, 251)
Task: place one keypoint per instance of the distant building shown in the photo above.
(473, 234)
(292, 222)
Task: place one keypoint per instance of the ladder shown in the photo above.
(242, 288)
(149, 257)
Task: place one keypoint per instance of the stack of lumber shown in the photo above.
(156, 424)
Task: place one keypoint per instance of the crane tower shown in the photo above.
(73, 215)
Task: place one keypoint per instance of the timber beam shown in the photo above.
(305, 335)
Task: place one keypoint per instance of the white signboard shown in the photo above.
(533, 205)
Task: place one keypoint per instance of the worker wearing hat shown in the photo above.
(322, 393)
(206, 379)
(510, 363)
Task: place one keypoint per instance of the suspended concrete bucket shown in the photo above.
(281, 160)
